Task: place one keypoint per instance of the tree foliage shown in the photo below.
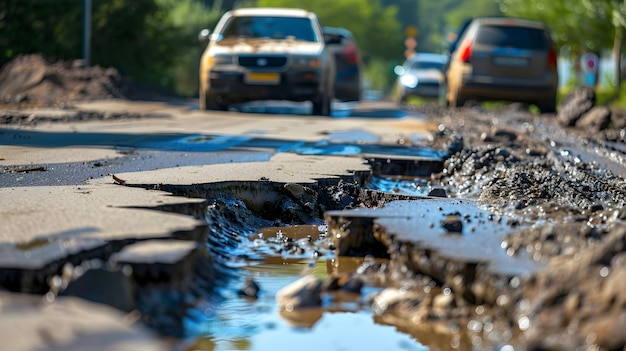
(29, 26)
(375, 27)
(438, 20)
(581, 26)
(571, 23)
(154, 41)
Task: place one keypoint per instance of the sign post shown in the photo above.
(87, 32)
(410, 43)
(590, 62)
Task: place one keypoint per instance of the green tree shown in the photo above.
(615, 12)
(184, 19)
(124, 34)
(375, 28)
(587, 25)
(47, 26)
(153, 41)
(437, 20)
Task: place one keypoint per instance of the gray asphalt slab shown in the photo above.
(96, 207)
(30, 323)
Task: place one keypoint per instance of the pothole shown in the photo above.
(273, 234)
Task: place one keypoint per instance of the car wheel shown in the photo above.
(209, 102)
(456, 100)
(321, 105)
(548, 106)
(202, 101)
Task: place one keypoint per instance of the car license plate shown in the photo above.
(429, 90)
(510, 61)
(262, 78)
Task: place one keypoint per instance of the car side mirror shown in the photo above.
(203, 36)
(332, 40)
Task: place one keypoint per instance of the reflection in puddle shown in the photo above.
(416, 186)
(276, 257)
(343, 322)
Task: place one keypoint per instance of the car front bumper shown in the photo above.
(425, 89)
(232, 87)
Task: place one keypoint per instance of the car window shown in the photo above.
(510, 36)
(332, 38)
(270, 27)
(426, 65)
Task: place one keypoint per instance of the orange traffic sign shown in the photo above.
(411, 31)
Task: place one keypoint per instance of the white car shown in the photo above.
(266, 54)
(422, 75)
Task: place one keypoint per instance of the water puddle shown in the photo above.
(346, 143)
(343, 322)
(277, 256)
(415, 186)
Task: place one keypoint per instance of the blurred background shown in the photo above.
(156, 41)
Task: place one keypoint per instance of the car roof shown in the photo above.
(337, 30)
(510, 21)
(270, 11)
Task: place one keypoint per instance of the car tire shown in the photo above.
(547, 106)
(321, 105)
(209, 102)
(456, 100)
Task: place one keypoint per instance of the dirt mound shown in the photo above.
(33, 80)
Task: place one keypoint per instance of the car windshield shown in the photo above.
(422, 65)
(270, 27)
(510, 36)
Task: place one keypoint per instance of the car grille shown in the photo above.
(262, 61)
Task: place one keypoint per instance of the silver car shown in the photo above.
(421, 75)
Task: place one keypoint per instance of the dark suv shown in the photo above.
(343, 47)
(504, 59)
(267, 54)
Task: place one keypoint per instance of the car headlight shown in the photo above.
(409, 80)
(220, 60)
(305, 61)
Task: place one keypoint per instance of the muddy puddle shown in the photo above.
(274, 253)
(344, 321)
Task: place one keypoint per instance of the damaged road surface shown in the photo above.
(441, 229)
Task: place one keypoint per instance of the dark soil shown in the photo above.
(37, 81)
(563, 184)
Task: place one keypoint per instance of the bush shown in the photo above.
(153, 41)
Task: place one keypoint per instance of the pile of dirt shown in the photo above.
(36, 81)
